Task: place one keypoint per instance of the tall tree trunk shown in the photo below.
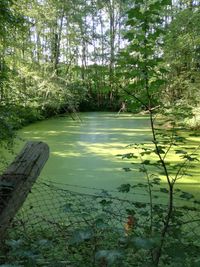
(57, 34)
(2, 69)
(84, 49)
(112, 46)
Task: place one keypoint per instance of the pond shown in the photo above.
(84, 152)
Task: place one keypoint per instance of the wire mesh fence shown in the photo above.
(59, 226)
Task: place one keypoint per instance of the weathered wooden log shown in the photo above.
(17, 180)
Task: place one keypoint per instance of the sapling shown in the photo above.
(143, 78)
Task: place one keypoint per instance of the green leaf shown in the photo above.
(189, 158)
(105, 202)
(104, 193)
(177, 190)
(130, 211)
(124, 188)
(156, 181)
(179, 151)
(179, 139)
(163, 71)
(146, 153)
(110, 256)
(146, 162)
(80, 236)
(166, 2)
(129, 156)
(143, 243)
(67, 207)
(157, 83)
(154, 6)
(164, 190)
(135, 13)
(126, 169)
(159, 150)
(14, 243)
(197, 202)
(44, 242)
(100, 224)
(140, 185)
(176, 250)
(140, 205)
(142, 169)
(186, 195)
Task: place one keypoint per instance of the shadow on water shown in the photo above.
(84, 153)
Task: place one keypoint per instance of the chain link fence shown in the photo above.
(62, 225)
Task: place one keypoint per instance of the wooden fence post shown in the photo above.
(17, 180)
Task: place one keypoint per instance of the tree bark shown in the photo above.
(17, 180)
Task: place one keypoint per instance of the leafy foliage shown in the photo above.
(53, 59)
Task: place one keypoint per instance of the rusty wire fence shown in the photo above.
(61, 225)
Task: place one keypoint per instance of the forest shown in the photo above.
(60, 56)
(140, 58)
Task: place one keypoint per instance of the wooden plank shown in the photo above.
(17, 180)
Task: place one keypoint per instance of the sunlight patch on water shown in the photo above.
(85, 153)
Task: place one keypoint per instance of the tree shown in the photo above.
(143, 59)
(182, 54)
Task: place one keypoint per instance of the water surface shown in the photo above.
(83, 153)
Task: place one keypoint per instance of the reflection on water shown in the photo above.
(84, 153)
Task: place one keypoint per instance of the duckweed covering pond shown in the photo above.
(86, 153)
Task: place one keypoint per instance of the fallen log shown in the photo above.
(16, 182)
